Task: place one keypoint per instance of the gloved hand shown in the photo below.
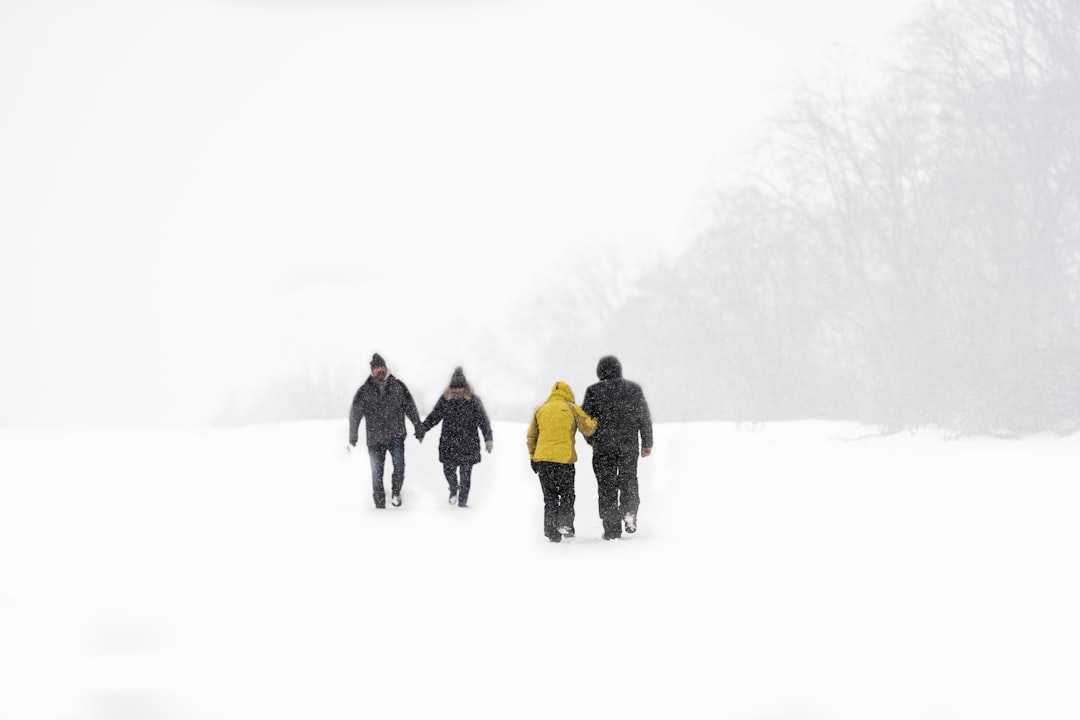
(489, 444)
(420, 433)
(535, 466)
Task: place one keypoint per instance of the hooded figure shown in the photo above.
(463, 420)
(622, 416)
(550, 440)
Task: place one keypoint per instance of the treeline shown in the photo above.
(904, 255)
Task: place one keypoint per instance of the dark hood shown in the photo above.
(608, 368)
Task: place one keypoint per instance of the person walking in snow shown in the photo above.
(622, 415)
(550, 440)
(385, 402)
(463, 420)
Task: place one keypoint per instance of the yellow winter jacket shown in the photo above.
(551, 433)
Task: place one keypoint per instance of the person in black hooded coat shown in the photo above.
(463, 420)
(622, 415)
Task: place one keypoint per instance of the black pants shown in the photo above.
(617, 486)
(557, 484)
(459, 488)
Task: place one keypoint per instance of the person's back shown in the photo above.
(550, 441)
(619, 408)
(622, 415)
(551, 432)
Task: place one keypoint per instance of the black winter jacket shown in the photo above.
(459, 443)
(385, 410)
(620, 410)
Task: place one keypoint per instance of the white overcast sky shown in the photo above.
(189, 189)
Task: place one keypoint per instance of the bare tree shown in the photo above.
(909, 253)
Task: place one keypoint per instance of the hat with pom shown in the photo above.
(457, 380)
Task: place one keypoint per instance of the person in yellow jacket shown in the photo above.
(550, 440)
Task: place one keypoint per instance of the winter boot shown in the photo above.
(380, 500)
(631, 522)
(395, 499)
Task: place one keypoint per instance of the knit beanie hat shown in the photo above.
(377, 361)
(457, 380)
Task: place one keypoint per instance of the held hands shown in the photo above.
(420, 433)
(488, 444)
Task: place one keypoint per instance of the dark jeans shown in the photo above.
(557, 484)
(617, 486)
(377, 453)
(461, 489)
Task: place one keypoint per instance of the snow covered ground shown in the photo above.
(792, 571)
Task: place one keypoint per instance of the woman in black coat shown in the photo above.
(462, 415)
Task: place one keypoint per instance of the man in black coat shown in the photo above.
(622, 415)
(385, 402)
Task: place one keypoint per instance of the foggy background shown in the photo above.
(215, 212)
